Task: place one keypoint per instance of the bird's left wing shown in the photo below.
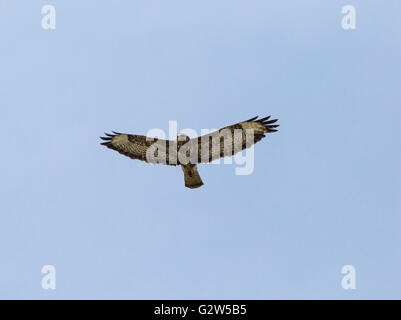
(148, 149)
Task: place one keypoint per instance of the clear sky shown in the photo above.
(325, 191)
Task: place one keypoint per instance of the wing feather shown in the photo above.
(150, 150)
(212, 147)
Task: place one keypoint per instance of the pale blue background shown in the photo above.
(325, 191)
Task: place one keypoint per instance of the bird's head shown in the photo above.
(182, 137)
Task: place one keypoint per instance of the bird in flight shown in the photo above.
(188, 152)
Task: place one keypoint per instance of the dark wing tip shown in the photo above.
(268, 124)
(252, 119)
(270, 127)
(264, 119)
(108, 138)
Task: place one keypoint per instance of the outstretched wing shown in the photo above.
(150, 150)
(212, 146)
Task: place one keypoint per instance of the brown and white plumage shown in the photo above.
(137, 146)
(210, 148)
(226, 141)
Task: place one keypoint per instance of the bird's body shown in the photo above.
(188, 152)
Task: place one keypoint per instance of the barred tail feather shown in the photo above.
(191, 176)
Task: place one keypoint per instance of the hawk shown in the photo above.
(188, 152)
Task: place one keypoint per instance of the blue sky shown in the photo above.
(325, 191)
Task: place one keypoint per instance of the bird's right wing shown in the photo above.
(212, 146)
